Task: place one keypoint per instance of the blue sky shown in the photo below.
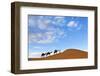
(47, 33)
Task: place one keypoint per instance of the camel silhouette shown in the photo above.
(48, 53)
(56, 51)
(45, 54)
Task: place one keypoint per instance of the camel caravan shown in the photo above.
(49, 53)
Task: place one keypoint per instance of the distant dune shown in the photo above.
(66, 54)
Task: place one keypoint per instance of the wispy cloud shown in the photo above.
(43, 22)
(59, 21)
(72, 24)
(46, 31)
(46, 37)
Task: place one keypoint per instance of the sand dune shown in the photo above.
(66, 54)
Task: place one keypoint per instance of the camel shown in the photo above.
(56, 51)
(43, 54)
(48, 53)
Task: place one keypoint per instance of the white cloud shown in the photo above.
(46, 37)
(39, 22)
(43, 24)
(72, 24)
(48, 33)
(58, 21)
